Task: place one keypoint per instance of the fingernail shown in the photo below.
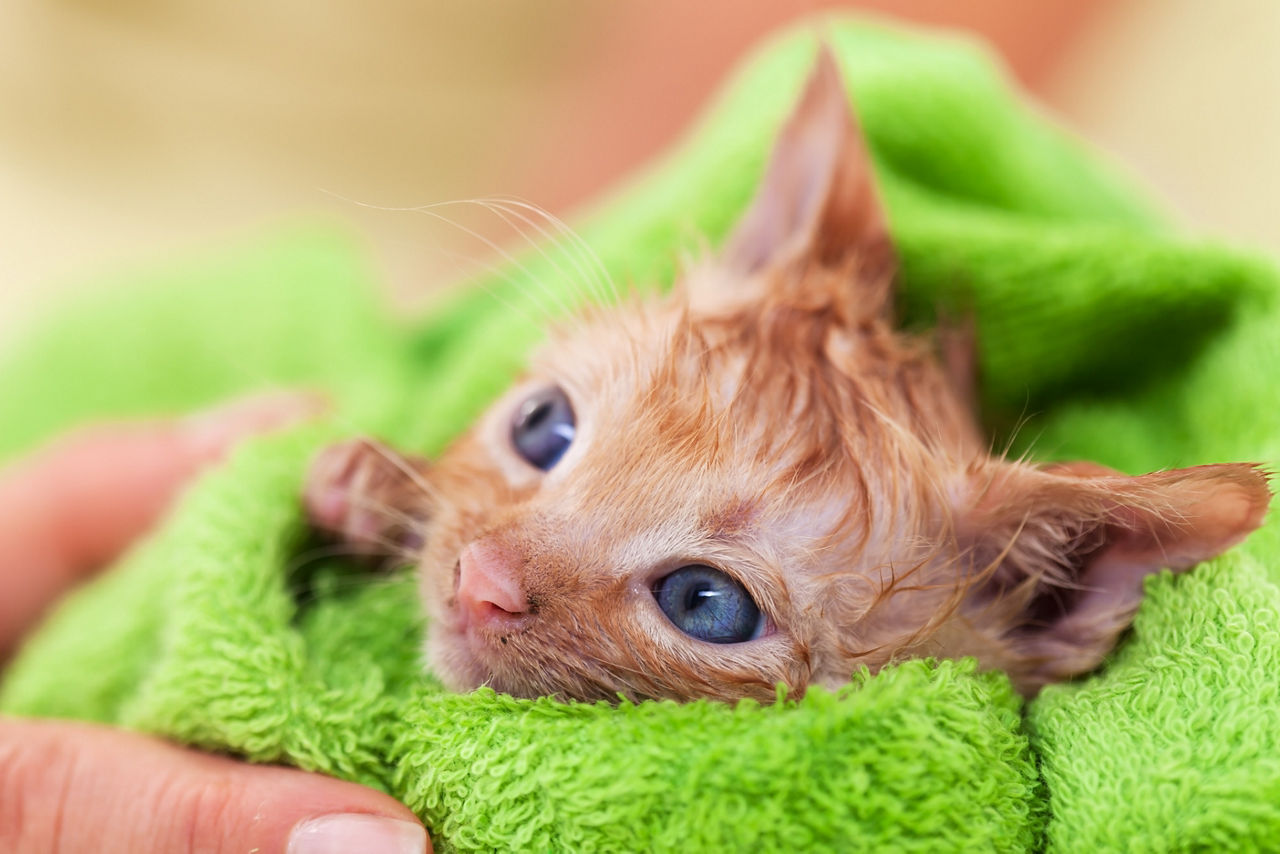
(350, 832)
(209, 433)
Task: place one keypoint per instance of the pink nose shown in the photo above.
(489, 589)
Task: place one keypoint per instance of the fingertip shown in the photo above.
(128, 792)
(345, 832)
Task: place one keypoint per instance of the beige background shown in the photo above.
(132, 129)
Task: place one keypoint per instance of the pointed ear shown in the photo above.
(818, 198)
(1060, 553)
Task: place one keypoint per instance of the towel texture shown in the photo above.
(1126, 343)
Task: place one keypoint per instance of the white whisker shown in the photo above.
(430, 210)
(497, 272)
(502, 211)
(415, 477)
(569, 232)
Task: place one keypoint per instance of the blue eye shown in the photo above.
(709, 605)
(543, 428)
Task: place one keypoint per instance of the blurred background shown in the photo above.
(131, 129)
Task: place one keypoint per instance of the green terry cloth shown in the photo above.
(1122, 341)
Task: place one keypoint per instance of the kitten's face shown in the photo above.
(758, 481)
(720, 521)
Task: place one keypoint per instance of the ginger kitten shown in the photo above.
(757, 479)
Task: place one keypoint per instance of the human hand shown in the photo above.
(66, 511)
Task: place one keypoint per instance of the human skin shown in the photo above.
(66, 511)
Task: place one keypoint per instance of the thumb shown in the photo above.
(72, 787)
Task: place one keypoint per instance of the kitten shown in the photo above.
(758, 480)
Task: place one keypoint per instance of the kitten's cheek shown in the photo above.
(449, 627)
(439, 589)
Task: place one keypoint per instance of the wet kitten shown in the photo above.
(757, 480)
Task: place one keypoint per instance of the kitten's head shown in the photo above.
(758, 480)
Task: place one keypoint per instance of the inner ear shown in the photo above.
(369, 497)
(1060, 554)
(817, 200)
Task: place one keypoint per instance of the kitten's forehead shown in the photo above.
(680, 416)
(720, 380)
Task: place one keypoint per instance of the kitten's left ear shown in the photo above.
(369, 496)
(1062, 552)
(818, 199)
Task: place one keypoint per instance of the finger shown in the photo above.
(71, 787)
(76, 504)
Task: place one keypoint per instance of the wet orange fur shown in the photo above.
(766, 419)
(679, 433)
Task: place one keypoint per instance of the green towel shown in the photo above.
(1120, 340)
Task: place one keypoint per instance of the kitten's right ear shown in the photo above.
(818, 200)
